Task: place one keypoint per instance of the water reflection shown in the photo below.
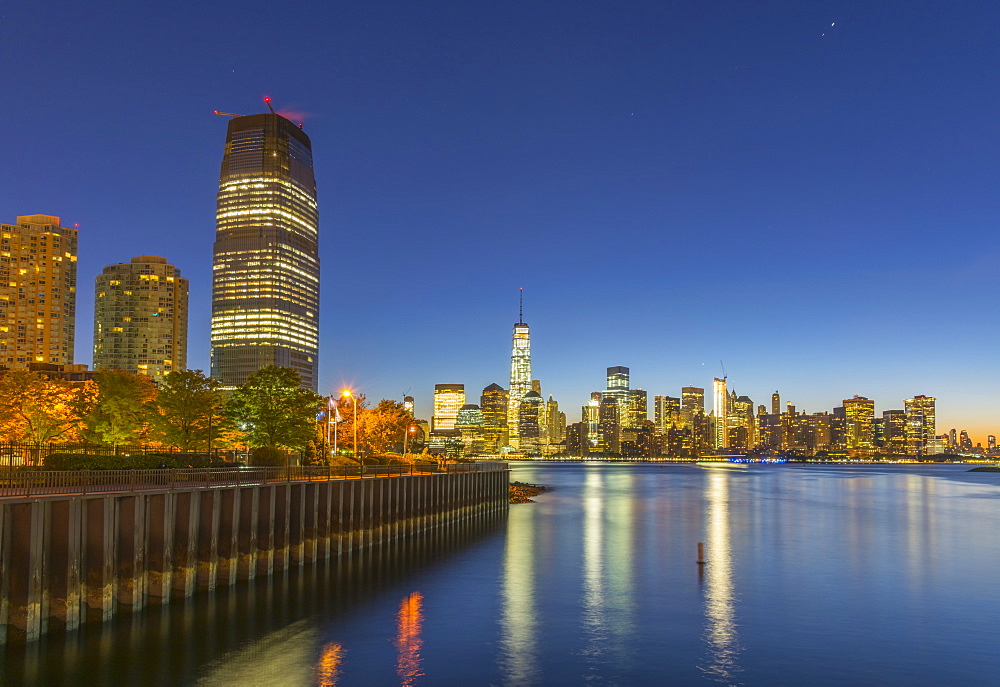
(408, 640)
(594, 612)
(720, 594)
(328, 668)
(518, 627)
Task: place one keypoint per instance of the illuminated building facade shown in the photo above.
(666, 412)
(920, 423)
(469, 423)
(520, 378)
(555, 422)
(720, 407)
(692, 400)
(859, 413)
(265, 288)
(891, 436)
(141, 317)
(493, 404)
(448, 401)
(37, 292)
(775, 404)
(531, 419)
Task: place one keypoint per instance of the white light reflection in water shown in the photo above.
(594, 612)
(608, 610)
(720, 594)
(519, 625)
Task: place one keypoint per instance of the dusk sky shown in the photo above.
(806, 191)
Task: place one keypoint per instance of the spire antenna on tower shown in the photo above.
(520, 307)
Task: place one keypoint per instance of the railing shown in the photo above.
(30, 483)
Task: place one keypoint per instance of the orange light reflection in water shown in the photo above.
(408, 640)
(328, 668)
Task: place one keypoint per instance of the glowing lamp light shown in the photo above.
(346, 393)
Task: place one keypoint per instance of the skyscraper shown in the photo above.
(859, 435)
(721, 411)
(493, 403)
(265, 289)
(776, 403)
(37, 292)
(520, 376)
(692, 400)
(920, 422)
(141, 317)
(448, 400)
(531, 419)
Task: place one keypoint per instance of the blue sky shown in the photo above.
(806, 191)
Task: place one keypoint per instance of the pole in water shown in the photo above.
(701, 553)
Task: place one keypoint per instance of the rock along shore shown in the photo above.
(520, 492)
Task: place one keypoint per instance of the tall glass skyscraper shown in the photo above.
(265, 288)
(520, 377)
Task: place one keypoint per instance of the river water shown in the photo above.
(814, 575)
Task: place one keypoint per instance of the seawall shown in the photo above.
(70, 559)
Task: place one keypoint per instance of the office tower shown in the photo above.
(520, 374)
(493, 403)
(891, 436)
(838, 429)
(555, 422)
(591, 418)
(618, 389)
(742, 430)
(531, 417)
(775, 403)
(991, 442)
(448, 400)
(858, 414)
(720, 409)
(265, 286)
(953, 437)
(37, 292)
(638, 407)
(408, 405)
(692, 400)
(141, 317)
(666, 413)
(577, 442)
(964, 442)
(469, 424)
(536, 386)
(609, 427)
(762, 409)
(919, 424)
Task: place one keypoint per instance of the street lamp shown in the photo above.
(407, 438)
(331, 419)
(347, 394)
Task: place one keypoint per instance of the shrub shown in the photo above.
(137, 461)
(267, 456)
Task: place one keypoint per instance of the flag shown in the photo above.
(336, 417)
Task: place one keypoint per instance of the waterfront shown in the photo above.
(816, 575)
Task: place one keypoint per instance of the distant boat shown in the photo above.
(721, 464)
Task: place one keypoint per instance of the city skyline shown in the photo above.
(802, 206)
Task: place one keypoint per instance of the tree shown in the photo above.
(123, 409)
(383, 426)
(37, 409)
(189, 408)
(272, 410)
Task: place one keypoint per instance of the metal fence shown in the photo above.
(31, 483)
(15, 454)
